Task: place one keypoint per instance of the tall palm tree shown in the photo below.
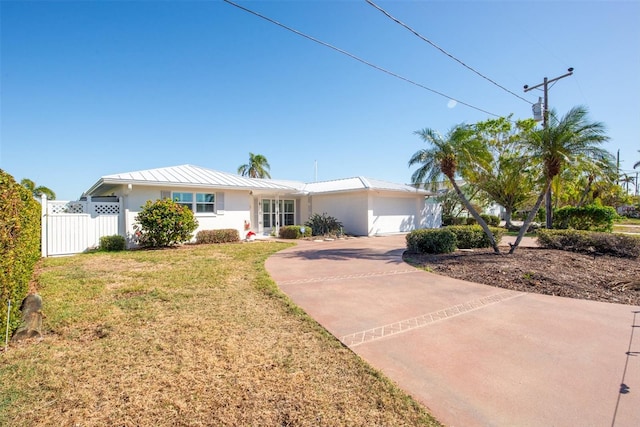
(562, 142)
(447, 156)
(39, 190)
(258, 167)
(636, 164)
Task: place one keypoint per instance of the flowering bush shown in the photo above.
(164, 223)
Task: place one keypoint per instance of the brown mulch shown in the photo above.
(544, 271)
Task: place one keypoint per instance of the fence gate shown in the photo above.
(75, 227)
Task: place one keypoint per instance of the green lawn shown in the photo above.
(198, 335)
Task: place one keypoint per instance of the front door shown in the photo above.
(276, 212)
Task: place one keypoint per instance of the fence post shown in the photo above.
(43, 225)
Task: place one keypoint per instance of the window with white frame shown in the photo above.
(205, 202)
(197, 202)
(184, 199)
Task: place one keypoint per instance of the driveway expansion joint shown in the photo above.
(347, 276)
(406, 325)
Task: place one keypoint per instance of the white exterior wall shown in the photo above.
(348, 208)
(237, 208)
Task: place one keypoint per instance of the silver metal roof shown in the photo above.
(196, 176)
(359, 183)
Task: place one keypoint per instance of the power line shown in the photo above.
(344, 52)
(420, 36)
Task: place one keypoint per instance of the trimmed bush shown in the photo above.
(164, 223)
(454, 220)
(293, 232)
(227, 235)
(431, 241)
(591, 218)
(19, 246)
(589, 242)
(113, 243)
(473, 236)
(492, 220)
(323, 225)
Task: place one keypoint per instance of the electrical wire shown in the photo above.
(344, 52)
(420, 36)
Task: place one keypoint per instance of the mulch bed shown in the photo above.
(544, 271)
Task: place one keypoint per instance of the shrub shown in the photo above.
(454, 220)
(164, 223)
(591, 218)
(473, 236)
(322, 225)
(431, 241)
(492, 220)
(227, 235)
(590, 242)
(113, 243)
(294, 232)
(19, 246)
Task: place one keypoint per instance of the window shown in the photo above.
(289, 212)
(205, 202)
(286, 210)
(184, 199)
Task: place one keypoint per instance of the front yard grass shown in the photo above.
(193, 336)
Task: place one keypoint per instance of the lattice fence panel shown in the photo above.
(66, 207)
(107, 208)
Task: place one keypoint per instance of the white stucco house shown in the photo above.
(366, 207)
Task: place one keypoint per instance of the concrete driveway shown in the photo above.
(474, 355)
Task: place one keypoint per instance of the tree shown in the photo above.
(506, 179)
(38, 191)
(561, 143)
(637, 164)
(258, 167)
(457, 152)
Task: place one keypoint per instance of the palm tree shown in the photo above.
(636, 164)
(38, 191)
(455, 152)
(561, 143)
(258, 167)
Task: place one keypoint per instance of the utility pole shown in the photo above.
(545, 124)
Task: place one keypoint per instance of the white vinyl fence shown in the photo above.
(75, 227)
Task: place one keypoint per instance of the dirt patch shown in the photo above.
(542, 271)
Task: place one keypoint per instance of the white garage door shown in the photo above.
(394, 215)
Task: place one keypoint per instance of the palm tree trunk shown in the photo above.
(530, 217)
(476, 216)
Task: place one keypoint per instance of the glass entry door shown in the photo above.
(278, 213)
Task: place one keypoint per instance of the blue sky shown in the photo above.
(92, 88)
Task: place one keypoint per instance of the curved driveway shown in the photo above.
(474, 355)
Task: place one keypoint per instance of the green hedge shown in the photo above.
(431, 241)
(620, 245)
(472, 236)
(113, 243)
(19, 246)
(293, 232)
(453, 220)
(591, 218)
(226, 235)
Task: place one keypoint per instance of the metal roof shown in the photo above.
(196, 176)
(188, 175)
(359, 183)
